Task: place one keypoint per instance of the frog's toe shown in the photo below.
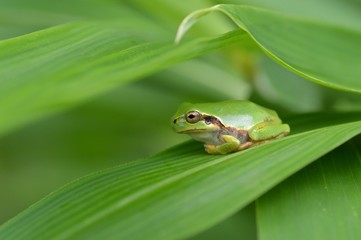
(211, 149)
(245, 146)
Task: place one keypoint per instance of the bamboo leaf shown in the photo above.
(320, 202)
(51, 70)
(342, 13)
(326, 54)
(178, 192)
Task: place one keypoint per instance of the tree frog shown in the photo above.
(228, 126)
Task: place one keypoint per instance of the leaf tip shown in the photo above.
(190, 20)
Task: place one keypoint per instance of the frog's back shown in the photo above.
(239, 113)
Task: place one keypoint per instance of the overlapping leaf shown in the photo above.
(175, 193)
(326, 54)
(47, 71)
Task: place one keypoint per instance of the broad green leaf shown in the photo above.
(51, 70)
(170, 13)
(326, 54)
(344, 13)
(320, 202)
(40, 14)
(178, 192)
(165, 15)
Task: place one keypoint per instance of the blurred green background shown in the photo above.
(132, 121)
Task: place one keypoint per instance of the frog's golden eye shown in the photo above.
(193, 117)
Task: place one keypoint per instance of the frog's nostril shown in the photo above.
(175, 121)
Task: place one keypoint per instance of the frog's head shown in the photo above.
(190, 118)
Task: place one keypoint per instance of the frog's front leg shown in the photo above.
(230, 144)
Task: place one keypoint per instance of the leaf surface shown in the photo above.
(178, 192)
(57, 68)
(324, 53)
(320, 202)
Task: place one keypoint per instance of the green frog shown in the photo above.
(228, 126)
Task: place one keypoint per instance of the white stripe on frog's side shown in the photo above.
(233, 120)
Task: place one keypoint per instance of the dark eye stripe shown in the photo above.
(208, 120)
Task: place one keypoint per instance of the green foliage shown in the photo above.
(337, 206)
(94, 58)
(329, 55)
(90, 85)
(197, 185)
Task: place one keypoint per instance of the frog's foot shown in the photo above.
(211, 149)
(230, 144)
(281, 135)
(252, 144)
(245, 146)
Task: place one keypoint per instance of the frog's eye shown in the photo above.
(193, 117)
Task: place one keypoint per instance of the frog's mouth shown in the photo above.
(199, 130)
